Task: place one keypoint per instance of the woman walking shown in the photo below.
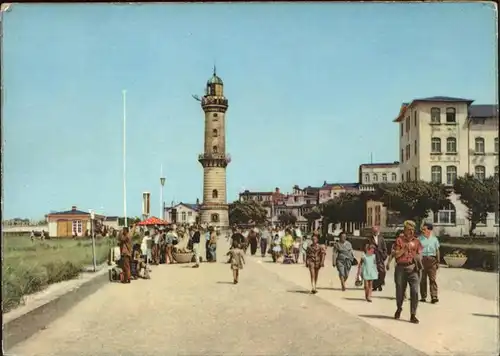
(314, 258)
(367, 269)
(264, 241)
(344, 257)
(126, 254)
(212, 245)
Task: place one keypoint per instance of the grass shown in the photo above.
(29, 267)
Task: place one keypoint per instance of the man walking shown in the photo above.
(378, 241)
(430, 263)
(406, 252)
(195, 239)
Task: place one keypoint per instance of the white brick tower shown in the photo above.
(214, 209)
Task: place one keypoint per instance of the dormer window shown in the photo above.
(215, 149)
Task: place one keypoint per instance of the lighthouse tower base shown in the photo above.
(216, 215)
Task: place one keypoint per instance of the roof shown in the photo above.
(392, 164)
(111, 218)
(483, 111)
(70, 212)
(187, 205)
(344, 185)
(247, 192)
(432, 99)
(215, 79)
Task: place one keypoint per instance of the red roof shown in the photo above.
(153, 221)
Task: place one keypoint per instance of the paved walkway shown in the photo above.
(461, 323)
(185, 311)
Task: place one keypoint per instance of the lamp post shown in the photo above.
(162, 184)
(92, 234)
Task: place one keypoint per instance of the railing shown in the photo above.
(225, 157)
(211, 100)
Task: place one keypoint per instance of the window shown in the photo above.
(215, 114)
(183, 216)
(215, 149)
(416, 172)
(401, 129)
(436, 174)
(402, 155)
(402, 177)
(447, 215)
(407, 124)
(435, 116)
(367, 178)
(435, 145)
(214, 218)
(451, 145)
(496, 172)
(377, 215)
(369, 219)
(375, 177)
(407, 152)
(384, 177)
(215, 194)
(415, 147)
(394, 177)
(479, 145)
(480, 172)
(215, 133)
(415, 118)
(451, 175)
(190, 213)
(497, 217)
(451, 115)
(496, 145)
(77, 227)
(408, 176)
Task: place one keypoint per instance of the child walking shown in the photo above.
(368, 270)
(237, 260)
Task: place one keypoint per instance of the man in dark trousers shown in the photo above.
(238, 238)
(195, 240)
(377, 240)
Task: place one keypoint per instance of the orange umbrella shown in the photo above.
(153, 221)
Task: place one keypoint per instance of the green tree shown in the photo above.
(479, 196)
(287, 219)
(130, 221)
(247, 212)
(413, 200)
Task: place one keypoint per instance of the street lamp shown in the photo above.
(92, 234)
(162, 184)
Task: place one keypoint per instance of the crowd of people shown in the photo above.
(416, 257)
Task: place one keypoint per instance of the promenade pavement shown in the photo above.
(185, 311)
(464, 322)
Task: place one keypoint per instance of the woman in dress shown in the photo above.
(368, 270)
(237, 260)
(314, 259)
(344, 258)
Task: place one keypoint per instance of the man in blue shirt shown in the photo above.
(430, 262)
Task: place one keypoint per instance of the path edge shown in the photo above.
(26, 325)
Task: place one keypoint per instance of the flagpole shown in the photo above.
(124, 92)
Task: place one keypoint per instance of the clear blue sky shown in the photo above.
(312, 89)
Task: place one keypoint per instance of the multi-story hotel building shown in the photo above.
(442, 138)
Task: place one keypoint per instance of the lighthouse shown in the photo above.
(214, 159)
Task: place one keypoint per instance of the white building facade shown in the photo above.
(375, 173)
(442, 138)
(182, 213)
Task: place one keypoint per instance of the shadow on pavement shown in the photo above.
(383, 297)
(355, 299)
(224, 282)
(337, 289)
(300, 291)
(486, 315)
(373, 316)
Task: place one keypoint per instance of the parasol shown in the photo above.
(153, 221)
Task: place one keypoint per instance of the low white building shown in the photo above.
(111, 222)
(182, 213)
